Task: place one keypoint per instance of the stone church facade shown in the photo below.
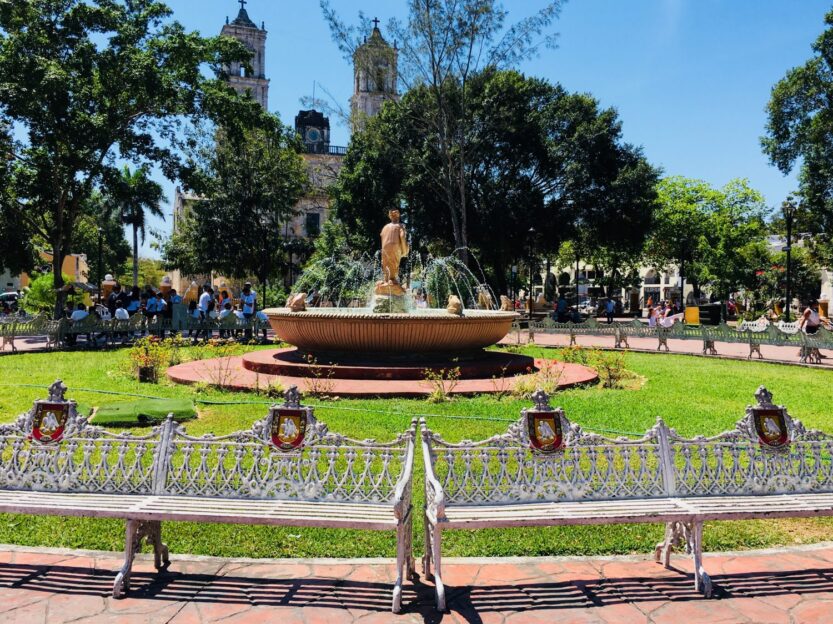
(375, 82)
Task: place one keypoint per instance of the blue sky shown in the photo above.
(690, 78)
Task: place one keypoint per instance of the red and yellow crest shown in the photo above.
(50, 422)
(771, 427)
(545, 432)
(289, 427)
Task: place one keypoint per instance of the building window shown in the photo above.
(313, 224)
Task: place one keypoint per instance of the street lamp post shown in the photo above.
(532, 233)
(100, 262)
(789, 212)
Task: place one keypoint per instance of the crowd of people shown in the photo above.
(122, 304)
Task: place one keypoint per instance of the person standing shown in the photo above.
(610, 309)
(248, 298)
(205, 299)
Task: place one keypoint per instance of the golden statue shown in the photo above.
(394, 248)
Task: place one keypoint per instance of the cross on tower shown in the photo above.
(243, 4)
(376, 23)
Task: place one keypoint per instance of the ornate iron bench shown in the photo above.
(547, 471)
(288, 469)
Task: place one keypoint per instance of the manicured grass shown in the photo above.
(694, 395)
(143, 412)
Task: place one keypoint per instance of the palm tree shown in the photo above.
(135, 196)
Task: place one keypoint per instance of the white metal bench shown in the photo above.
(547, 471)
(287, 470)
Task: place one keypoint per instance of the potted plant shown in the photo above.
(147, 356)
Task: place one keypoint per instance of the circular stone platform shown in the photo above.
(232, 374)
(291, 362)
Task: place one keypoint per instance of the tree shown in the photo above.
(134, 195)
(713, 235)
(17, 252)
(115, 249)
(251, 185)
(800, 130)
(84, 82)
(446, 42)
(538, 157)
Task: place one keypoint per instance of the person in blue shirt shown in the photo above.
(561, 309)
(249, 300)
(610, 309)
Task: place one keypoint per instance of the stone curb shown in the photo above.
(70, 552)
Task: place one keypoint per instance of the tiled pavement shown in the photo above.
(735, 351)
(757, 587)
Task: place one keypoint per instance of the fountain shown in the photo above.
(352, 324)
(390, 325)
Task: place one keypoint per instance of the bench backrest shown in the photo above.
(52, 448)
(777, 455)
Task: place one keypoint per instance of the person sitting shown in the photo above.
(79, 314)
(121, 314)
(225, 313)
(263, 322)
(653, 316)
(811, 319)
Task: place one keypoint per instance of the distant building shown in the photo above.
(242, 79)
(375, 82)
(375, 77)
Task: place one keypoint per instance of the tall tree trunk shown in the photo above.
(135, 256)
(58, 277)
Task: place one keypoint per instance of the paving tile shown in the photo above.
(812, 611)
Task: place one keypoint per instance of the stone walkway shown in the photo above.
(791, 586)
(726, 350)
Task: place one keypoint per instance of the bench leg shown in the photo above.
(702, 581)
(436, 555)
(404, 559)
(426, 557)
(135, 532)
(677, 535)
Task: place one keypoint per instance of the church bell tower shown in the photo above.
(375, 77)
(243, 80)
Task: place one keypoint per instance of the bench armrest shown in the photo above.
(434, 494)
(405, 485)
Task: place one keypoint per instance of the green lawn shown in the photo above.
(694, 395)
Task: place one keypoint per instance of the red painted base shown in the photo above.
(292, 363)
(232, 374)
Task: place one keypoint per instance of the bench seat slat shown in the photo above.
(232, 511)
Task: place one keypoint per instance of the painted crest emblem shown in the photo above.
(771, 427)
(545, 434)
(50, 422)
(289, 427)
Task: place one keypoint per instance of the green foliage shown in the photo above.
(716, 236)
(251, 184)
(537, 156)
(133, 196)
(86, 83)
(150, 272)
(41, 295)
(115, 248)
(799, 130)
(805, 280)
(444, 45)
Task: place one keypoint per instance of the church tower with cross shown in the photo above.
(375, 77)
(242, 79)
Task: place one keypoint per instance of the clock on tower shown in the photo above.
(314, 130)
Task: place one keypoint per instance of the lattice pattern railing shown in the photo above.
(52, 448)
(767, 453)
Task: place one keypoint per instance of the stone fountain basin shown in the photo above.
(359, 331)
